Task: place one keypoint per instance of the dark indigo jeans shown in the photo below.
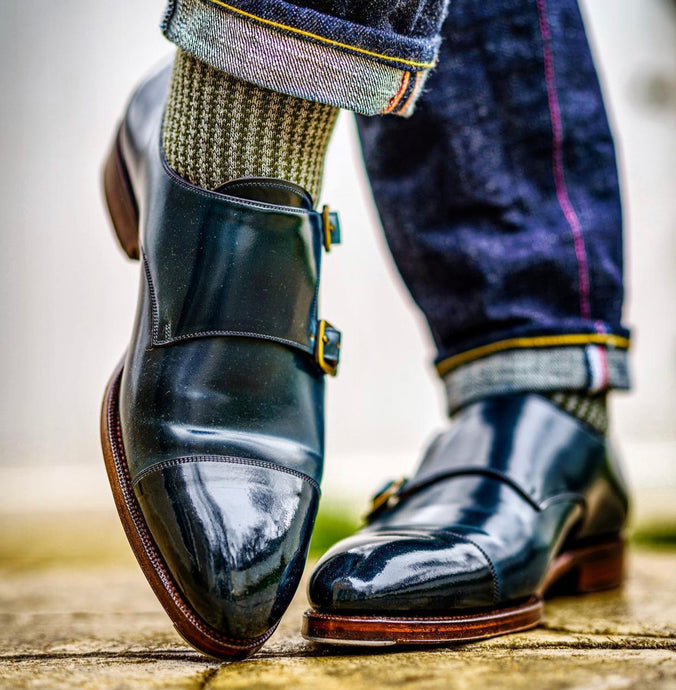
(369, 57)
(499, 196)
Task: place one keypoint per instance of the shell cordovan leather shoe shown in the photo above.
(213, 424)
(515, 500)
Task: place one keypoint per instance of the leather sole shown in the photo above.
(589, 569)
(124, 215)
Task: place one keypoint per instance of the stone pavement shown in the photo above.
(79, 614)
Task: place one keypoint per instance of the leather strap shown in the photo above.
(386, 499)
(217, 266)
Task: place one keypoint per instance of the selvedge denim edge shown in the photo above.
(300, 63)
(590, 368)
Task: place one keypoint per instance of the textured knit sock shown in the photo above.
(218, 128)
(590, 409)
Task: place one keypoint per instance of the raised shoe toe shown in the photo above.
(233, 536)
(213, 427)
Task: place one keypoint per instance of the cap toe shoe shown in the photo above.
(514, 495)
(402, 572)
(234, 537)
(214, 430)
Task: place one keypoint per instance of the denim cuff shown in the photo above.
(352, 73)
(590, 368)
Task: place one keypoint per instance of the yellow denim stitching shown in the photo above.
(538, 341)
(412, 63)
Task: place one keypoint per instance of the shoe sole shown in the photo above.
(188, 624)
(589, 569)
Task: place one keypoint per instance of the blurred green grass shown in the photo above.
(656, 535)
(335, 521)
(44, 540)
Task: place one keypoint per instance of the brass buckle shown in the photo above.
(327, 227)
(322, 339)
(386, 498)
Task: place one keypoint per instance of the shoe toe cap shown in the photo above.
(410, 572)
(234, 537)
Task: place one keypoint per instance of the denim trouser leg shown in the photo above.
(499, 198)
(369, 57)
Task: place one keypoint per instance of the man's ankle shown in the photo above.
(219, 128)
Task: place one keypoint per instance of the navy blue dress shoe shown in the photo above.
(516, 499)
(213, 424)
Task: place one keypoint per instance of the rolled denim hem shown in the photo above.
(292, 61)
(591, 368)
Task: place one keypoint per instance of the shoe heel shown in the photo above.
(601, 568)
(120, 200)
(590, 569)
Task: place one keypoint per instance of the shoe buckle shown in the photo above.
(387, 497)
(327, 347)
(330, 228)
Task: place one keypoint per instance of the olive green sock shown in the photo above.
(218, 128)
(588, 408)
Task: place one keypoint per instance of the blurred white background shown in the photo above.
(68, 294)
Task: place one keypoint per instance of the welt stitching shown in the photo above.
(231, 459)
(497, 587)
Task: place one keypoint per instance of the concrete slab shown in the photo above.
(89, 620)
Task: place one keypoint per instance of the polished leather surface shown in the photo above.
(260, 277)
(230, 535)
(509, 486)
(221, 399)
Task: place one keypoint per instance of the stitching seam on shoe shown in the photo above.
(231, 459)
(233, 334)
(528, 603)
(153, 299)
(497, 587)
(156, 340)
(288, 210)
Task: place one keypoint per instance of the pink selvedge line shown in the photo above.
(557, 163)
(600, 327)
